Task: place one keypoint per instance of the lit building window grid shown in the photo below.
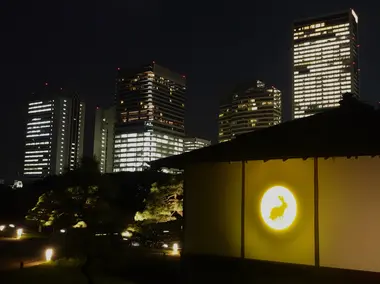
(45, 137)
(327, 50)
(254, 108)
(149, 102)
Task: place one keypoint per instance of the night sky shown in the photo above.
(217, 44)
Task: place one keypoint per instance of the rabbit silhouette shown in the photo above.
(278, 211)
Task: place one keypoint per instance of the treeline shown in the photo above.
(123, 192)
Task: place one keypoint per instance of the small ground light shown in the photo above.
(19, 233)
(175, 248)
(11, 225)
(2, 227)
(62, 231)
(48, 254)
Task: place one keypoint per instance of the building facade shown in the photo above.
(54, 134)
(224, 121)
(104, 138)
(249, 108)
(150, 110)
(194, 143)
(325, 62)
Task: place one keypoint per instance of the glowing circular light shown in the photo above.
(278, 208)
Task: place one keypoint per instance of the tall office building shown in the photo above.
(325, 62)
(194, 143)
(54, 134)
(224, 121)
(249, 108)
(150, 110)
(104, 137)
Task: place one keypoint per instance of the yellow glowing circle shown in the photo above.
(278, 208)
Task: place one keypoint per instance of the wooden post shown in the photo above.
(242, 240)
(316, 213)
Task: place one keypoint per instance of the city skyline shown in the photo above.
(264, 61)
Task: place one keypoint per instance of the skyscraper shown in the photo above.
(249, 108)
(54, 134)
(325, 62)
(194, 143)
(150, 110)
(104, 137)
(224, 121)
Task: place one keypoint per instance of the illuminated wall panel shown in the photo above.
(292, 245)
(213, 209)
(349, 216)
